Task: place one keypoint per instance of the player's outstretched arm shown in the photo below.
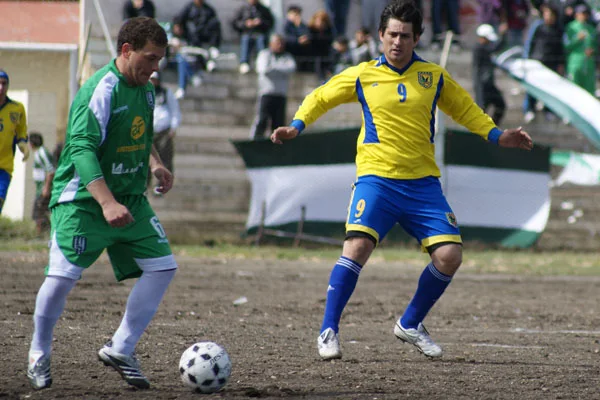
(283, 133)
(515, 138)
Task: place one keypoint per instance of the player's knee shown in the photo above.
(358, 249)
(448, 258)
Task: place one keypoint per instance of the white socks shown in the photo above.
(142, 304)
(49, 305)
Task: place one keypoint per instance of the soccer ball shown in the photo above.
(205, 366)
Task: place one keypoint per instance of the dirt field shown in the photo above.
(505, 337)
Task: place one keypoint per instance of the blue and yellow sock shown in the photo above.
(432, 284)
(341, 285)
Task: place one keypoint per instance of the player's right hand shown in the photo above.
(283, 133)
(117, 215)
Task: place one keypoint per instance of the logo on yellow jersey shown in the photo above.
(425, 79)
(138, 127)
(14, 117)
(451, 219)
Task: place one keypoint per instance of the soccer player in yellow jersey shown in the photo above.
(13, 133)
(397, 177)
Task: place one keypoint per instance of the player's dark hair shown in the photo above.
(405, 11)
(138, 31)
(36, 139)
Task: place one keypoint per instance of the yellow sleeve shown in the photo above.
(340, 89)
(456, 102)
(22, 125)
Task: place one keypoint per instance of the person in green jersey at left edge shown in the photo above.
(98, 202)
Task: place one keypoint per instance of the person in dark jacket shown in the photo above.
(544, 43)
(321, 38)
(486, 92)
(296, 36)
(253, 21)
(201, 25)
(138, 8)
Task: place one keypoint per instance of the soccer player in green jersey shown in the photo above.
(98, 202)
(397, 177)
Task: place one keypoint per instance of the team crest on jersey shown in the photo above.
(451, 219)
(425, 79)
(138, 127)
(150, 98)
(14, 117)
(79, 244)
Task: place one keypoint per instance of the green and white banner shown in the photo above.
(499, 196)
(578, 168)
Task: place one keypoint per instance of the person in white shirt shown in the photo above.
(167, 118)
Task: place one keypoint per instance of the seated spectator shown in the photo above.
(274, 67)
(581, 44)
(296, 36)
(363, 47)
(544, 43)
(486, 92)
(198, 26)
(342, 55)
(321, 38)
(253, 21)
(189, 65)
(138, 8)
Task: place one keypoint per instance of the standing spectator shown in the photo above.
(371, 13)
(490, 12)
(363, 47)
(450, 8)
(167, 118)
(297, 39)
(566, 11)
(486, 92)
(13, 129)
(544, 43)
(516, 18)
(98, 204)
(342, 55)
(253, 21)
(338, 12)
(274, 66)
(321, 38)
(43, 173)
(580, 45)
(138, 8)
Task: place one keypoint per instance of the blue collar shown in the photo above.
(383, 61)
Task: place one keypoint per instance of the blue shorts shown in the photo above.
(418, 205)
(4, 182)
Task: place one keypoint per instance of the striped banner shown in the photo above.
(500, 196)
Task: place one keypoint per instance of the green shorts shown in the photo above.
(79, 235)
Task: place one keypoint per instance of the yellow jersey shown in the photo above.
(396, 139)
(13, 129)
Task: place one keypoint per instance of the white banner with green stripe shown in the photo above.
(500, 196)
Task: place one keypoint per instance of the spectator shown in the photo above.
(580, 45)
(321, 38)
(516, 16)
(451, 9)
(338, 12)
(138, 8)
(371, 13)
(167, 118)
(297, 39)
(490, 12)
(342, 55)
(363, 47)
(486, 92)
(14, 131)
(544, 43)
(253, 21)
(566, 13)
(189, 64)
(43, 173)
(274, 66)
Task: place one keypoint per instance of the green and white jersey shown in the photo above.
(42, 165)
(109, 135)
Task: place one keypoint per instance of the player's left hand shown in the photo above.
(165, 179)
(515, 138)
(24, 149)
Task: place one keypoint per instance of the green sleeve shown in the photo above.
(85, 138)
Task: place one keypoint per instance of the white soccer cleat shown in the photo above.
(127, 366)
(329, 345)
(38, 370)
(419, 338)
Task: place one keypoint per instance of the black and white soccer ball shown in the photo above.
(205, 366)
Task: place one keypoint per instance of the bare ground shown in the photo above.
(505, 337)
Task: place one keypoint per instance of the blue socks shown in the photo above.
(432, 284)
(341, 285)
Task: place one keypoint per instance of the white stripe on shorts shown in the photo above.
(58, 265)
(157, 264)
